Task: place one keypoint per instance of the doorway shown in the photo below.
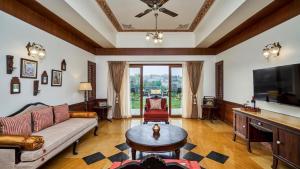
(155, 80)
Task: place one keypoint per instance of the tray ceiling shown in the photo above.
(122, 15)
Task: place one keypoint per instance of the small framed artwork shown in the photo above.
(29, 68)
(15, 86)
(63, 65)
(44, 78)
(56, 78)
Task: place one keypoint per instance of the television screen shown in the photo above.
(278, 84)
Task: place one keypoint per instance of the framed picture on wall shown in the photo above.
(56, 78)
(29, 68)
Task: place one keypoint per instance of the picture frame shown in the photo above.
(29, 68)
(44, 78)
(15, 86)
(56, 78)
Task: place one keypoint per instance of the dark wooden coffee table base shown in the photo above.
(171, 139)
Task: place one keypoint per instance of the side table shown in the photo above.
(102, 112)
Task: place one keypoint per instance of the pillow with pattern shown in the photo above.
(155, 104)
(17, 125)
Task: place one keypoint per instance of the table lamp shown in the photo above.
(85, 86)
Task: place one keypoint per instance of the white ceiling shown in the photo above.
(88, 17)
(126, 10)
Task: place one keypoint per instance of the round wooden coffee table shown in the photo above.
(141, 138)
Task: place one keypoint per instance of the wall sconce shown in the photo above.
(272, 49)
(36, 50)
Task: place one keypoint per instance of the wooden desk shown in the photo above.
(282, 131)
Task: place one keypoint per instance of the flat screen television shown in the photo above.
(278, 84)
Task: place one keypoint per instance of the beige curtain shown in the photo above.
(194, 69)
(116, 69)
(125, 94)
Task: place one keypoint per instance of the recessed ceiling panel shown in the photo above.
(122, 14)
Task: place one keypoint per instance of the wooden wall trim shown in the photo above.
(34, 13)
(225, 112)
(274, 14)
(156, 51)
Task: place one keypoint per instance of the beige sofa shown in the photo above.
(57, 138)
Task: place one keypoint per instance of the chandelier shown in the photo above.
(157, 36)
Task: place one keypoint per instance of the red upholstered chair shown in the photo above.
(156, 115)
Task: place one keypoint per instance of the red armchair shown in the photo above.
(156, 115)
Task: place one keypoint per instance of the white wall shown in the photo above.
(170, 40)
(208, 69)
(241, 60)
(14, 35)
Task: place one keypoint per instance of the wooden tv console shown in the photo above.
(282, 131)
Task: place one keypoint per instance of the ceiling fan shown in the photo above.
(156, 5)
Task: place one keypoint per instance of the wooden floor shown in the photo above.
(207, 136)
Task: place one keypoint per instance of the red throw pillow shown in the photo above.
(16, 125)
(42, 118)
(61, 113)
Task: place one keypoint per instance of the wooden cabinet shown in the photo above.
(239, 125)
(286, 147)
(282, 131)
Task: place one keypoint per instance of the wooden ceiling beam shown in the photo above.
(34, 13)
(272, 15)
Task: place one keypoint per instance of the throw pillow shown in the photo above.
(155, 104)
(17, 125)
(42, 119)
(61, 113)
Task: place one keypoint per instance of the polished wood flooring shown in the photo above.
(206, 135)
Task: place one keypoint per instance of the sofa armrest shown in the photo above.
(83, 114)
(10, 155)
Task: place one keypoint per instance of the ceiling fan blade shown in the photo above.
(168, 12)
(149, 3)
(143, 13)
(162, 2)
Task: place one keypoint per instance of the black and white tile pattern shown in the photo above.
(186, 153)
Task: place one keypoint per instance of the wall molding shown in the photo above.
(34, 13)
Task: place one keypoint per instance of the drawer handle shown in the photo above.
(278, 142)
(244, 126)
(259, 123)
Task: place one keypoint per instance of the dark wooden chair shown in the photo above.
(151, 162)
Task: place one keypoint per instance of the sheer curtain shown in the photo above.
(187, 100)
(124, 95)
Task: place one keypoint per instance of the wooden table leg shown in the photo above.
(177, 153)
(275, 163)
(133, 154)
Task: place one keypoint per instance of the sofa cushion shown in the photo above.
(61, 113)
(42, 118)
(57, 135)
(16, 125)
(156, 114)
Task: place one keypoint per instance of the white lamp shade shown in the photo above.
(85, 86)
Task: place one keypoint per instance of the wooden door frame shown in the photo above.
(170, 66)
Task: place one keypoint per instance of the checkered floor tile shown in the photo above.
(186, 153)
